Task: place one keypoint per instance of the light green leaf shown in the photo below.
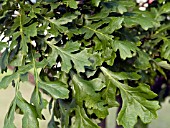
(82, 121)
(6, 80)
(126, 48)
(165, 8)
(96, 2)
(164, 64)
(30, 115)
(56, 89)
(121, 9)
(135, 102)
(71, 3)
(9, 118)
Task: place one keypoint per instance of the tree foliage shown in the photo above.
(84, 55)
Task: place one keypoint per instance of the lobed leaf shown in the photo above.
(82, 121)
(87, 91)
(135, 102)
(79, 59)
(126, 48)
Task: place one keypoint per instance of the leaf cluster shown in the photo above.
(85, 55)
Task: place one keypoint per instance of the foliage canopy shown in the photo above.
(84, 55)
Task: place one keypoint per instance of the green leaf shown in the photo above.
(23, 45)
(165, 8)
(135, 102)
(125, 75)
(9, 118)
(109, 94)
(30, 115)
(3, 45)
(164, 64)
(71, 3)
(165, 50)
(88, 87)
(96, 60)
(6, 80)
(114, 24)
(79, 59)
(104, 34)
(39, 102)
(65, 19)
(91, 29)
(96, 2)
(56, 89)
(144, 21)
(82, 121)
(17, 61)
(31, 30)
(86, 91)
(126, 48)
(4, 60)
(34, 9)
(142, 61)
